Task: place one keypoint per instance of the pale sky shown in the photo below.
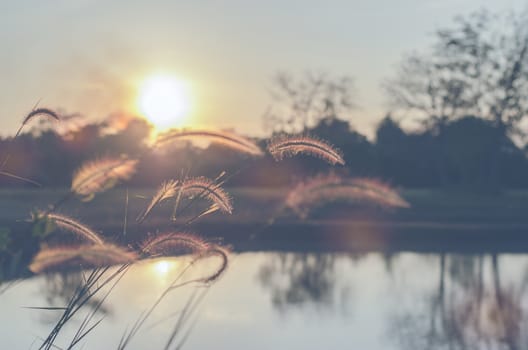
(89, 56)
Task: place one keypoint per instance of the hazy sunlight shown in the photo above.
(164, 101)
(163, 267)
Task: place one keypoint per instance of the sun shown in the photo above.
(164, 101)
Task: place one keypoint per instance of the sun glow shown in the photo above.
(163, 267)
(164, 101)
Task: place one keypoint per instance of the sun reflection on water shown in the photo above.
(163, 268)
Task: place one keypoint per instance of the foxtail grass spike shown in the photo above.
(224, 138)
(107, 255)
(167, 190)
(40, 112)
(48, 259)
(289, 146)
(71, 225)
(100, 175)
(31, 115)
(322, 190)
(170, 242)
(223, 254)
(202, 186)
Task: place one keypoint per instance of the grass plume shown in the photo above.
(46, 112)
(99, 175)
(289, 146)
(223, 254)
(168, 243)
(35, 112)
(68, 224)
(386, 194)
(325, 189)
(224, 138)
(48, 259)
(202, 186)
(167, 190)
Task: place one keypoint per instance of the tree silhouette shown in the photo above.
(300, 103)
(477, 67)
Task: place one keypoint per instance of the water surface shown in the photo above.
(271, 300)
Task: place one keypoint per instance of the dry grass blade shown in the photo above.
(13, 176)
(322, 190)
(100, 175)
(71, 225)
(170, 242)
(289, 146)
(40, 112)
(224, 138)
(166, 191)
(202, 186)
(48, 259)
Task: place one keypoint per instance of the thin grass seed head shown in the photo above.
(223, 138)
(192, 187)
(223, 254)
(107, 255)
(326, 189)
(202, 186)
(40, 112)
(167, 190)
(303, 190)
(51, 258)
(171, 243)
(100, 175)
(384, 191)
(57, 258)
(289, 146)
(71, 225)
(174, 242)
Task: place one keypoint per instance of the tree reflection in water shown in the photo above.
(297, 280)
(469, 309)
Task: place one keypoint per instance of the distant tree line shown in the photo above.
(446, 158)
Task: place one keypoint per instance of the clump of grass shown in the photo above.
(289, 146)
(223, 138)
(99, 175)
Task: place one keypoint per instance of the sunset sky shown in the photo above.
(91, 56)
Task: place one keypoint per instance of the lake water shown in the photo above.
(273, 300)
